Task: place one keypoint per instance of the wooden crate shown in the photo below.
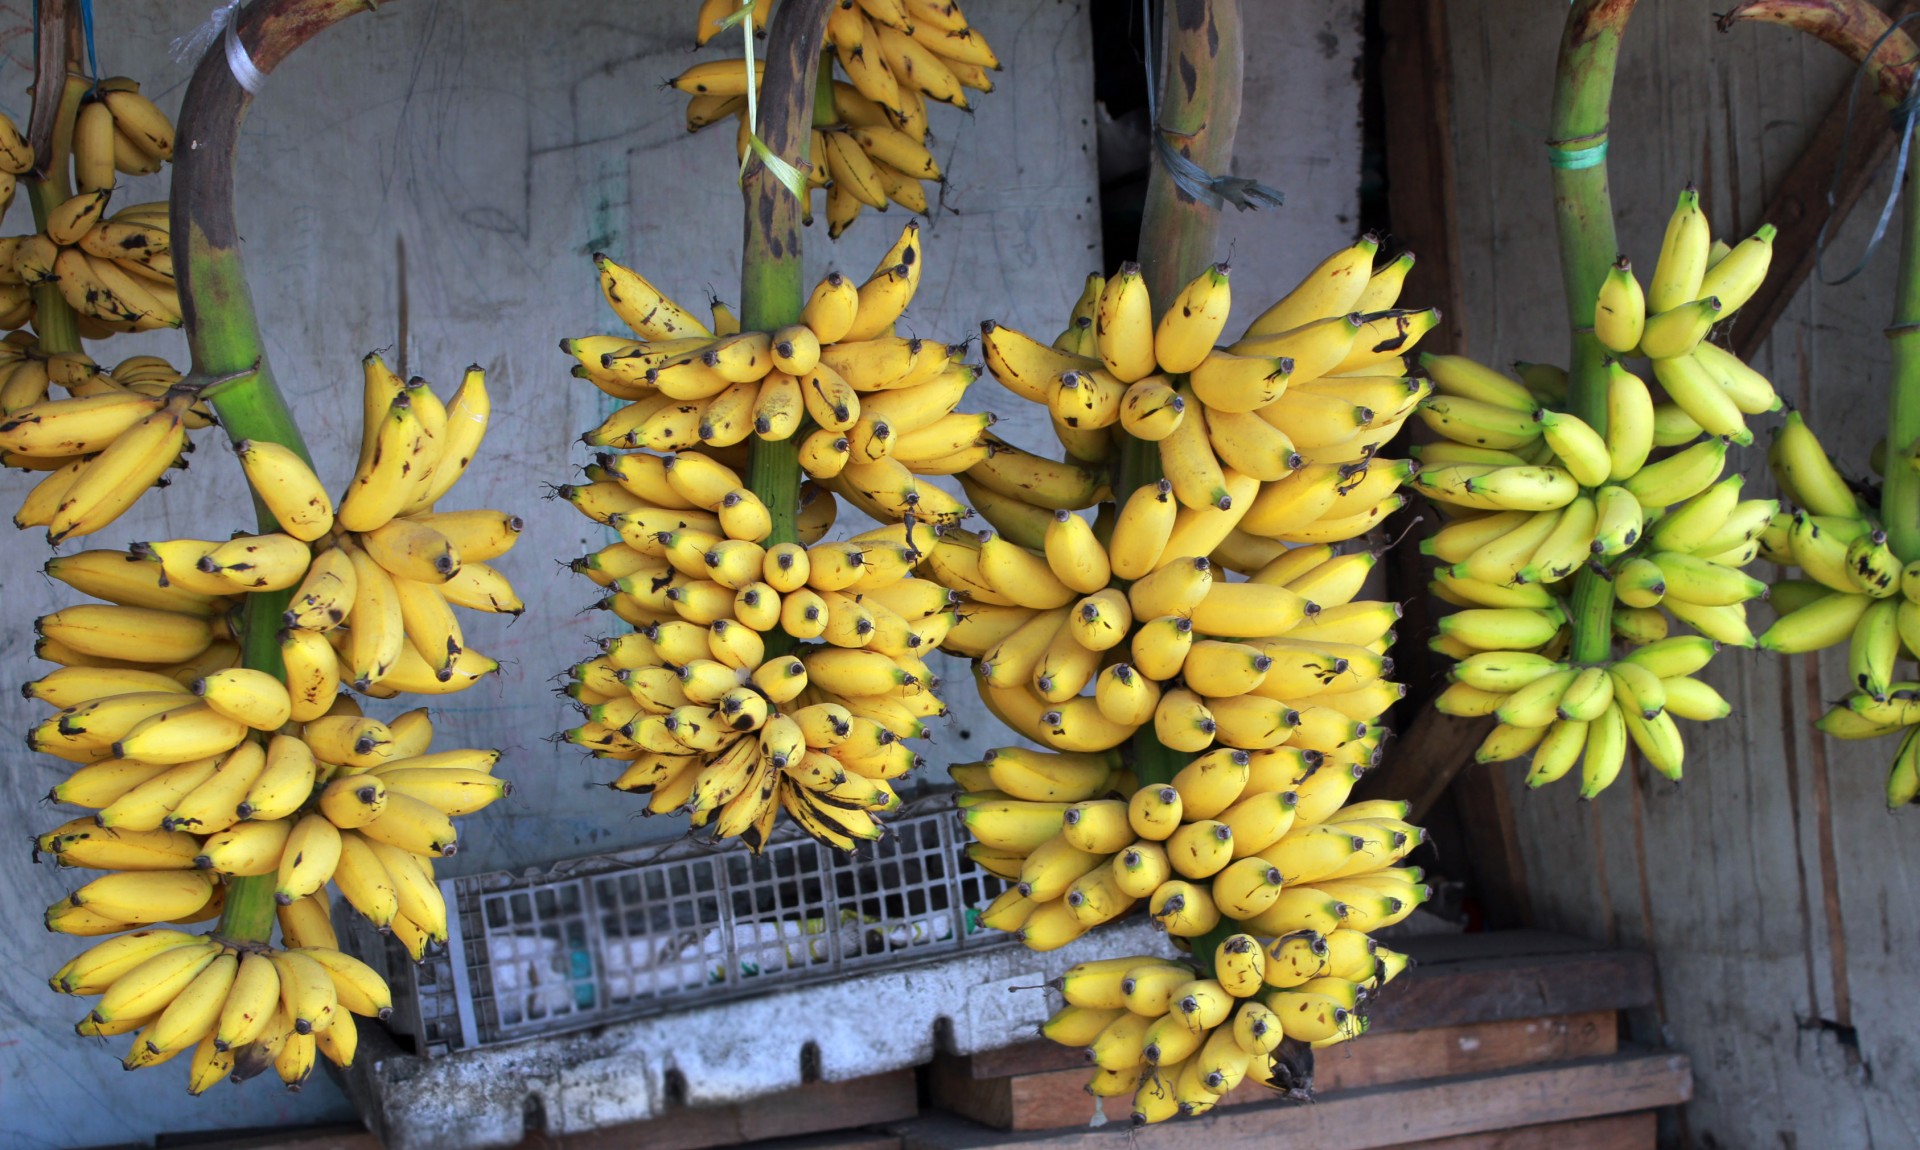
(1475, 1010)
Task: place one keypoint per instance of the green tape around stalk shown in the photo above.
(1575, 159)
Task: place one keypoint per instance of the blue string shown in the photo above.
(1189, 177)
(1903, 120)
(93, 57)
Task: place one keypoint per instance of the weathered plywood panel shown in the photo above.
(1772, 886)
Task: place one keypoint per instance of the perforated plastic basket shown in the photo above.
(612, 937)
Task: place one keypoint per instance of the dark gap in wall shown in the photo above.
(1120, 96)
(1374, 214)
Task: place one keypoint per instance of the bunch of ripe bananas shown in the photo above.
(879, 406)
(344, 798)
(1216, 842)
(1177, 1042)
(116, 130)
(1255, 846)
(101, 447)
(769, 675)
(1852, 589)
(196, 770)
(116, 272)
(236, 1008)
(1534, 495)
(1283, 656)
(896, 55)
(1085, 632)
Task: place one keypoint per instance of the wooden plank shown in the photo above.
(1055, 1098)
(1614, 1132)
(1540, 961)
(989, 1099)
(336, 1136)
(818, 1106)
(1024, 1058)
(1474, 1048)
(1492, 988)
(839, 1140)
(1378, 1117)
(1491, 843)
(1799, 207)
(1424, 760)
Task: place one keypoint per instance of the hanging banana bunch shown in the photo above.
(115, 270)
(195, 770)
(1217, 606)
(766, 677)
(114, 434)
(16, 160)
(1852, 589)
(896, 55)
(1534, 495)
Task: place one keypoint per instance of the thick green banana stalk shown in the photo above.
(50, 131)
(1178, 234)
(223, 330)
(771, 292)
(1583, 218)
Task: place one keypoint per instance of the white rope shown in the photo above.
(223, 22)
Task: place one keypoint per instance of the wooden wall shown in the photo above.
(1777, 893)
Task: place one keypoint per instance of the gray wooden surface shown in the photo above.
(1773, 887)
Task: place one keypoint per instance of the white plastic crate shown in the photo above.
(614, 937)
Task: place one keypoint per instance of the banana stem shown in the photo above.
(1851, 27)
(771, 285)
(54, 322)
(1199, 112)
(223, 330)
(823, 109)
(56, 42)
(50, 132)
(1583, 206)
(1900, 495)
(1583, 217)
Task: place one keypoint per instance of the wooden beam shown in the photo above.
(1614, 1132)
(1799, 208)
(1456, 980)
(1486, 985)
(1056, 1098)
(1421, 763)
(1490, 844)
(819, 1106)
(1377, 1117)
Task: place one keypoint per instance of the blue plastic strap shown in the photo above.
(93, 57)
(1576, 159)
(1903, 118)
